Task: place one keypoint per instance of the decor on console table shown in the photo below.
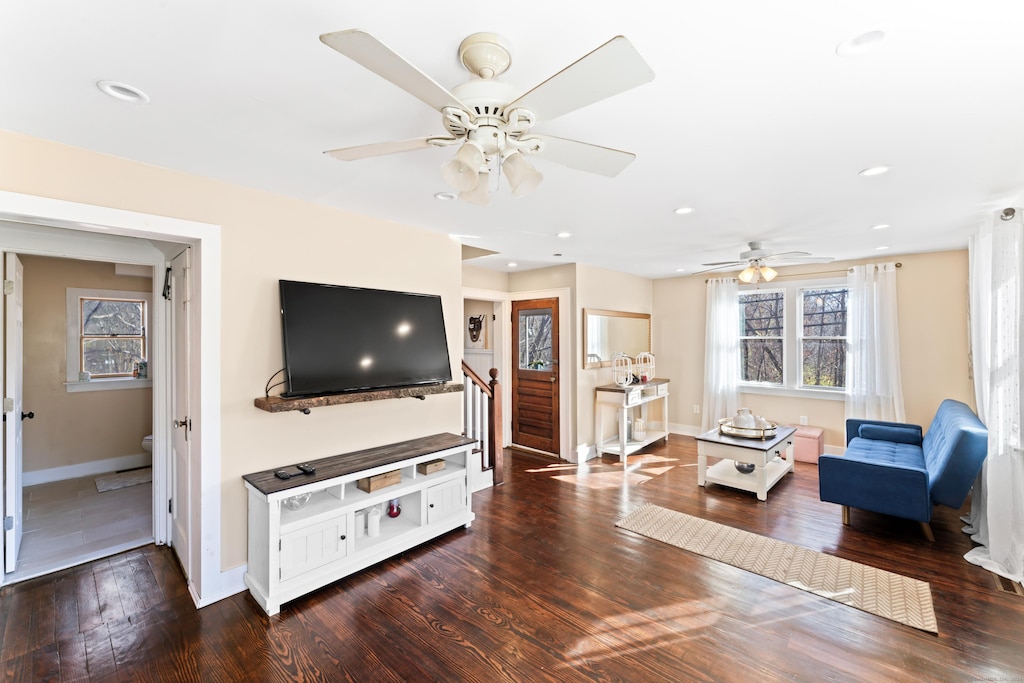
(622, 370)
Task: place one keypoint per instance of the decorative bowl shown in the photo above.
(296, 502)
(744, 467)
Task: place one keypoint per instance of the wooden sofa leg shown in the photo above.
(927, 529)
(846, 515)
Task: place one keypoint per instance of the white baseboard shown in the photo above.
(232, 582)
(685, 430)
(86, 469)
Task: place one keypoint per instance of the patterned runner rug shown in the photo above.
(899, 598)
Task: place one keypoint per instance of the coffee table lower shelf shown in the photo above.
(724, 472)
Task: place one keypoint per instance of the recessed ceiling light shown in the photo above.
(123, 92)
(512, 264)
(683, 210)
(860, 44)
(880, 226)
(881, 248)
(680, 270)
(565, 235)
(875, 170)
(445, 196)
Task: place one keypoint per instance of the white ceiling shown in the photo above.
(752, 119)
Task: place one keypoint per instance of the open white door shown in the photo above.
(181, 452)
(12, 380)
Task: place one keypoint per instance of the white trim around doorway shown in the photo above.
(38, 214)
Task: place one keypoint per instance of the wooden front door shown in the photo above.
(535, 374)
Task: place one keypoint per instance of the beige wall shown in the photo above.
(73, 428)
(481, 278)
(932, 300)
(266, 237)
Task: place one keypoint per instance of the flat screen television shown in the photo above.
(344, 339)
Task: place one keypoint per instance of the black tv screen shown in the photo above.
(341, 339)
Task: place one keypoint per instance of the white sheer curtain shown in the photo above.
(721, 351)
(996, 306)
(874, 390)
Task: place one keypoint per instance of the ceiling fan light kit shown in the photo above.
(484, 116)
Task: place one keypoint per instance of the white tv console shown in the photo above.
(292, 552)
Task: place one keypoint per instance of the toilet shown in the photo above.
(147, 444)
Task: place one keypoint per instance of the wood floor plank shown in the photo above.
(541, 587)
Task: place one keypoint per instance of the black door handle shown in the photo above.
(28, 415)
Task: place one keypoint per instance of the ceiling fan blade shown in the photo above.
(792, 260)
(788, 254)
(720, 264)
(584, 156)
(612, 68)
(716, 267)
(379, 149)
(363, 48)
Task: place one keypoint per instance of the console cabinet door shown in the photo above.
(313, 546)
(446, 499)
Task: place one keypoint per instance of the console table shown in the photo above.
(621, 400)
(762, 453)
(294, 551)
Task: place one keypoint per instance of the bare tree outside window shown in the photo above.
(762, 328)
(113, 336)
(823, 337)
(535, 339)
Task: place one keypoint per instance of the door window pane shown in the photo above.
(535, 339)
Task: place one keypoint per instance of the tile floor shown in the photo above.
(68, 522)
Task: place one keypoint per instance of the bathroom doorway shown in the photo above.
(86, 480)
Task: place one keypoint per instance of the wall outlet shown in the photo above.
(803, 419)
(696, 409)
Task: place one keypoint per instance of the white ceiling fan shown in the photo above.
(490, 120)
(758, 262)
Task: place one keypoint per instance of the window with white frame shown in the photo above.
(107, 335)
(793, 337)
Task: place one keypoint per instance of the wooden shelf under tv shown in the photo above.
(278, 404)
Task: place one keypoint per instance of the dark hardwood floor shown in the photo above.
(542, 587)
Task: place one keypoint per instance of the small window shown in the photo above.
(823, 337)
(112, 336)
(108, 337)
(762, 337)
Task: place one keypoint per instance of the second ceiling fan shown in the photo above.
(490, 121)
(759, 261)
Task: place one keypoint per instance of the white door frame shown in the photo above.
(209, 584)
(502, 357)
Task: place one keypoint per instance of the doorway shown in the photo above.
(86, 456)
(535, 375)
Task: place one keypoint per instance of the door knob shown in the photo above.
(28, 416)
(180, 423)
(553, 379)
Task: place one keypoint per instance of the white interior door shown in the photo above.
(12, 380)
(181, 451)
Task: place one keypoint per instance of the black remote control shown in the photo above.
(281, 474)
(306, 469)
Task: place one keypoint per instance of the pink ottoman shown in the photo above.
(808, 443)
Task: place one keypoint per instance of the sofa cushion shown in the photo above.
(886, 453)
(889, 433)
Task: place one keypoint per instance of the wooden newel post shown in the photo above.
(494, 418)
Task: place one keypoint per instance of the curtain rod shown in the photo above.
(819, 272)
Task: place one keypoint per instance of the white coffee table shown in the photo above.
(765, 455)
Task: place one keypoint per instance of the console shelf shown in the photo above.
(292, 552)
(279, 404)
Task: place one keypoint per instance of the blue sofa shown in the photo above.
(896, 469)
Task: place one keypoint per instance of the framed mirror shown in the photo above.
(606, 333)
